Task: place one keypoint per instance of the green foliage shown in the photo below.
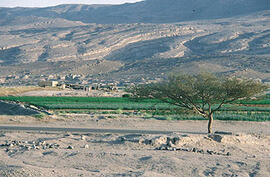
(39, 116)
(112, 117)
(149, 108)
(204, 93)
(119, 111)
(126, 96)
(107, 103)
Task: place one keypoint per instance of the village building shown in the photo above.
(48, 83)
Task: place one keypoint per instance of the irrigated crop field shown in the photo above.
(253, 110)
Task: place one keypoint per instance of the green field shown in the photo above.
(252, 110)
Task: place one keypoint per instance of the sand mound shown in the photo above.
(213, 144)
(15, 109)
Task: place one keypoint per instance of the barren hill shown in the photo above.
(52, 43)
(148, 11)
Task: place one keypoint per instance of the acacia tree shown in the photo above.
(203, 93)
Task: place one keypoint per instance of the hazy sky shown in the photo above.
(44, 3)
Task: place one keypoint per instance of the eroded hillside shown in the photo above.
(36, 48)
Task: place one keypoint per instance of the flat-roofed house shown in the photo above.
(48, 83)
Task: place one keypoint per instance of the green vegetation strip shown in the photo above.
(114, 103)
(246, 111)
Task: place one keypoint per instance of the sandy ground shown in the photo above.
(15, 91)
(71, 92)
(187, 152)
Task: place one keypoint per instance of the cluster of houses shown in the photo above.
(77, 82)
(106, 87)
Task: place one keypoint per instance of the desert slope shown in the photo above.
(60, 42)
(148, 11)
(126, 51)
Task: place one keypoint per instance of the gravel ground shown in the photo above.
(239, 149)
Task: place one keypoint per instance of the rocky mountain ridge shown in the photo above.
(148, 11)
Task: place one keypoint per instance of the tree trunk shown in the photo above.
(210, 123)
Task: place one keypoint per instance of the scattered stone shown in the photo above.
(159, 140)
(167, 147)
(25, 145)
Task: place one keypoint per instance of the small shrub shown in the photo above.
(126, 96)
(147, 115)
(112, 117)
(39, 116)
(119, 111)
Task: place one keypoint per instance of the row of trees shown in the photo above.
(203, 93)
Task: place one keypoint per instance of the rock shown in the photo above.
(122, 139)
(209, 152)
(195, 150)
(159, 141)
(83, 137)
(146, 141)
(141, 141)
(217, 138)
(101, 117)
(86, 146)
(201, 151)
(176, 140)
(68, 134)
(69, 147)
(163, 147)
